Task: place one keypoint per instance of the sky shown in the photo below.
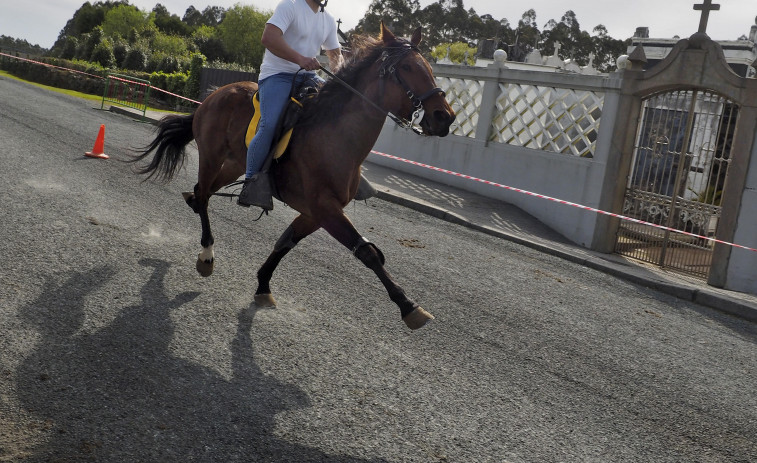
(40, 21)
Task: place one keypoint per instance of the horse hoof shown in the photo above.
(265, 300)
(417, 318)
(204, 267)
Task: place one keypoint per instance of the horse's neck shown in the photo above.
(359, 127)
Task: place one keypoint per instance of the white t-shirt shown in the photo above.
(306, 32)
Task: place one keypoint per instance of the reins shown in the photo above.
(391, 70)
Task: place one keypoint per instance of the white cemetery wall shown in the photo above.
(535, 131)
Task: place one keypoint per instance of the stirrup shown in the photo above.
(257, 191)
(364, 190)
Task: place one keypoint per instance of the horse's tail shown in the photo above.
(174, 134)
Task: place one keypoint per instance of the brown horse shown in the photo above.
(320, 172)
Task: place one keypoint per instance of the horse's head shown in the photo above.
(411, 74)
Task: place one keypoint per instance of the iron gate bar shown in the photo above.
(679, 174)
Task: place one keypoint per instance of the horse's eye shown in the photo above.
(405, 67)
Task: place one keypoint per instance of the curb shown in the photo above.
(705, 297)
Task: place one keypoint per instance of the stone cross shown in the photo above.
(706, 7)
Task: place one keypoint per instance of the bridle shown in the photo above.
(389, 58)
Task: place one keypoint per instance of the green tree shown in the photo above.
(136, 59)
(121, 20)
(120, 49)
(192, 17)
(446, 21)
(103, 54)
(213, 15)
(169, 44)
(575, 44)
(192, 88)
(84, 21)
(527, 33)
(432, 20)
(169, 23)
(206, 39)
(459, 52)
(400, 16)
(88, 43)
(240, 31)
(606, 49)
(68, 50)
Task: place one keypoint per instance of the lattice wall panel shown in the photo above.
(548, 118)
(465, 98)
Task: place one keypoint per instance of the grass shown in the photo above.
(73, 93)
(86, 96)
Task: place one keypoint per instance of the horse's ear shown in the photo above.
(386, 35)
(416, 38)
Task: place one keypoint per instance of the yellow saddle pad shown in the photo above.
(281, 145)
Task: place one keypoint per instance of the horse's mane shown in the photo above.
(329, 101)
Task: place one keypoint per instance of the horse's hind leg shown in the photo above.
(295, 232)
(340, 227)
(206, 258)
(214, 173)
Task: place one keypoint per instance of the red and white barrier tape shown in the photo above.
(120, 79)
(99, 77)
(51, 65)
(561, 201)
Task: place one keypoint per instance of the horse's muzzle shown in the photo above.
(439, 122)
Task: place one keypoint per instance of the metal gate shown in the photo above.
(680, 166)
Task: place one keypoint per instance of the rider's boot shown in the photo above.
(257, 191)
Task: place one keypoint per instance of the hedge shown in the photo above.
(93, 82)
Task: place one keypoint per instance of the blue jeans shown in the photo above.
(274, 96)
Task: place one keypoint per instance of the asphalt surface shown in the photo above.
(113, 349)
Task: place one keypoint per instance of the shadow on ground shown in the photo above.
(119, 395)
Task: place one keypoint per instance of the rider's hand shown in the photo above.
(309, 64)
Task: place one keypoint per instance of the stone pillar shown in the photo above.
(739, 210)
(489, 100)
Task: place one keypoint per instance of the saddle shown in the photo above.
(260, 189)
(286, 123)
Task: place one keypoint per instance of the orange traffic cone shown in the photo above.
(97, 150)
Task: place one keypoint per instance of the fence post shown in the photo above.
(105, 91)
(488, 106)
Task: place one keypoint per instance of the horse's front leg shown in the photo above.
(371, 256)
(295, 232)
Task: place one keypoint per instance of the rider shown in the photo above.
(293, 36)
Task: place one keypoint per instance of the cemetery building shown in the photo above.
(739, 54)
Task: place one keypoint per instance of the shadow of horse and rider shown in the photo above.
(119, 394)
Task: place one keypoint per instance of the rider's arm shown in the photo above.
(335, 58)
(273, 40)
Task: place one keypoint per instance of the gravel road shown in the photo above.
(113, 349)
